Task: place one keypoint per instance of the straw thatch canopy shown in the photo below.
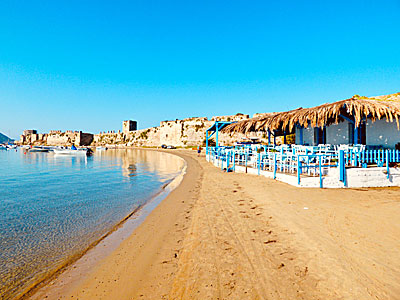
(356, 108)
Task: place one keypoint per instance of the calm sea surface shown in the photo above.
(53, 207)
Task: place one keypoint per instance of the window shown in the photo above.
(361, 134)
(351, 133)
(319, 135)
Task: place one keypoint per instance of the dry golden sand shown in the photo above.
(239, 236)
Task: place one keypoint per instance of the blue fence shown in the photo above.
(294, 161)
(368, 157)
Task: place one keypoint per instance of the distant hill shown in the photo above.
(5, 139)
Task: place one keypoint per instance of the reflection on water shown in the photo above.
(52, 207)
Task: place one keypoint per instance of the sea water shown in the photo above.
(53, 207)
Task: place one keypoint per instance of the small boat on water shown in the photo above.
(39, 149)
(7, 147)
(101, 148)
(73, 151)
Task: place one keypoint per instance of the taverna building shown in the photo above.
(372, 121)
(349, 143)
(359, 120)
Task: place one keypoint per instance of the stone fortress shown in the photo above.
(190, 132)
(56, 138)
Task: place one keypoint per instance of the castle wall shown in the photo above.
(189, 132)
(58, 138)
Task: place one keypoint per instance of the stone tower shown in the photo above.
(128, 126)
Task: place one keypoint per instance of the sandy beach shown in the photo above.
(240, 236)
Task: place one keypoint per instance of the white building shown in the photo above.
(374, 128)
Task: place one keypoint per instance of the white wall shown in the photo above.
(382, 133)
(379, 133)
(337, 134)
(297, 132)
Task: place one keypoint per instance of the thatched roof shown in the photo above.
(356, 108)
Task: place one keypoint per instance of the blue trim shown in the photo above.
(215, 128)
(301, 135)
(207, 142)
(347, 119)
(356, 132)
(387, 164)
(342, 168)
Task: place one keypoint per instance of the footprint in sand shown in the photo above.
(270, 241)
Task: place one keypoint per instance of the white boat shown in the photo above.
(101, 148)
(71, 151)
(38, 149)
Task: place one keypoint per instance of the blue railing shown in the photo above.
(292, 161)
(368, 157)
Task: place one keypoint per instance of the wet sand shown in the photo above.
(240, 236)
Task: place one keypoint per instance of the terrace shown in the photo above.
(312, 166)
(341, 144)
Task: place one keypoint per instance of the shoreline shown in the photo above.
(239, 236)
(86, 260)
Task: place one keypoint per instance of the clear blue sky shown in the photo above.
(88, 65)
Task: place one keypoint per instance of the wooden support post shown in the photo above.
(298, 169)
(246, 161)
(342, 167)
(387, 164)
(234, 159)
(356, 134)
(320, 171)
(301, 135)
(207, 142)
(216, 134)
(269, 137)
